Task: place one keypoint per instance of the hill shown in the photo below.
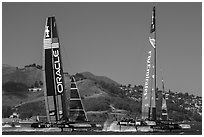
(90, 89)
(16, 81)
(27, 75)
(99, 78)
(7, 69)
(99, 94)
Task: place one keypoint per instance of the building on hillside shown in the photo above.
(35, 89)
(14, 115)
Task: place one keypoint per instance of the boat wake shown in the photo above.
(114, 127)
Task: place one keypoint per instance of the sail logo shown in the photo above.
(152, 41)
(58, 73)
(147, 74)
(47, 31)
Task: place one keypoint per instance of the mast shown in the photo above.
(44, 81)
(152, 40)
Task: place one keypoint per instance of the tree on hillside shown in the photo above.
(39, 66)
(33, 65)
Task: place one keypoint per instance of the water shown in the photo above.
(25, 129)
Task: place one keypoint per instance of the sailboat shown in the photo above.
(164, 112)
(63, 110)
(149, 116)
(148, 97)
(165, 120)
(149, 92)
(54, 86)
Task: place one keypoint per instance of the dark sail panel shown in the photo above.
(73, 85)
(77, 112)
(48, 73)
(74, 93)
(54, 29)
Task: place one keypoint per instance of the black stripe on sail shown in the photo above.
(49, 73)
(74, 93)
(73, 85)
(54, 29)
(153, 21)
(72, 79)
(153, 113)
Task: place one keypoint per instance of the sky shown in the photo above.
(111, 39)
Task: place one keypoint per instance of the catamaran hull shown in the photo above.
(68, 126)
(144, 129)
